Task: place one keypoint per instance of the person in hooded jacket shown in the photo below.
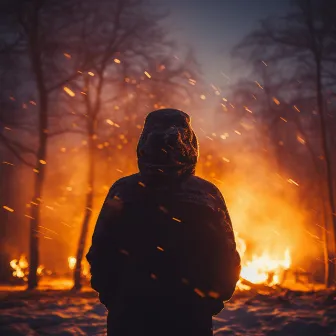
(163, 256)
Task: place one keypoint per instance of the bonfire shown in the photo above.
(261, 269)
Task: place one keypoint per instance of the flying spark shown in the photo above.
(147, 74)
(276, 101)
(69, 91)
(293, 182)
(296, 108)
(300, 139)
(259, 85)
(8, 208)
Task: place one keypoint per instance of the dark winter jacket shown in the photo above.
(163, 249)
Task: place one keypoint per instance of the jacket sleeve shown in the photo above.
(228, 259)
(103, 253)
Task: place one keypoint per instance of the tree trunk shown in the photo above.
(322, 197)
(87, 216)
(35, 55)
(331, 230)
(40, 170)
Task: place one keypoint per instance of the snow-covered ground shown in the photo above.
(61, 312)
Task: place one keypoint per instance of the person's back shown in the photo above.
(163, 257)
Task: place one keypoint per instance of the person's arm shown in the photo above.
(229, 266)
(103, 253)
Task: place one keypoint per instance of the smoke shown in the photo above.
(265, 206)
(264, 202)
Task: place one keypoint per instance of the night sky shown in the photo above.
(213, 27)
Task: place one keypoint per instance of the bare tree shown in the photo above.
(42, 32)
(118, 35)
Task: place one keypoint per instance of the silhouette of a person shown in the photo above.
(163, 256)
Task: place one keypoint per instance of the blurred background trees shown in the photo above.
(77, 79)
(293, 61)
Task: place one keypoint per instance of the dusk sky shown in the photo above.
(214, 27)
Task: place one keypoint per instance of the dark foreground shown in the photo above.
(278, 313)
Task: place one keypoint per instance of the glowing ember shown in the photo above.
(293, 182)
(8, 208)
(147, 74)
(69, 91)
(259, 85)
(276, 101)
(296, 108)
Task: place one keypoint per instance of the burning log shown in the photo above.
(245, 284)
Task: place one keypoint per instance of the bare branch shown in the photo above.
(16, 149)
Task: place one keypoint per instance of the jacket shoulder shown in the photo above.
(127, 181)
(128, 188)
(205, 184)
(196, 182)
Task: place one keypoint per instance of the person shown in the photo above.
(163, 256)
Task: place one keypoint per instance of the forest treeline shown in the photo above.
(78, 77)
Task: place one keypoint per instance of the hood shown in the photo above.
(168, 146)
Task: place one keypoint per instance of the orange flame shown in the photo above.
(262, 268)
(21, 268)
(72, 264)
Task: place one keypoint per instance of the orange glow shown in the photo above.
(72, 262)
(20, 268)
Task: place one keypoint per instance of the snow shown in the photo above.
(50, 311)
